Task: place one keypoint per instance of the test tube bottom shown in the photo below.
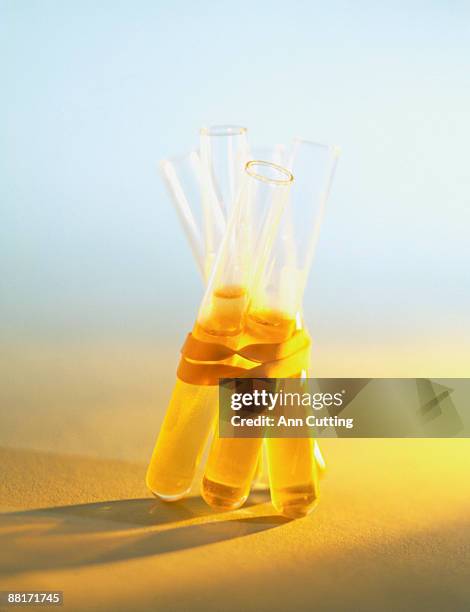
(293, 475)
(223, 497)
(296, 502)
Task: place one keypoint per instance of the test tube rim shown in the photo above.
(288, 180)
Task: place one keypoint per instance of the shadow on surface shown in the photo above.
(86, 534)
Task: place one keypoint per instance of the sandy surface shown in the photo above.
(392, 532)
(77, 426)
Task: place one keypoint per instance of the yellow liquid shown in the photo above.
(270, 325)
(230, 471)
(188, 422)
(293, 475)
(227, 309)
(192, 409)
(232, 463)
(293, 469)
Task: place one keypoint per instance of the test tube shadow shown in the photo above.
(87, 534)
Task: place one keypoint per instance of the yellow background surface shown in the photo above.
(391, 532)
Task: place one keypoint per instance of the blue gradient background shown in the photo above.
(93, 261)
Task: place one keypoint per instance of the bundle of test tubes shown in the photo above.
(252, 217)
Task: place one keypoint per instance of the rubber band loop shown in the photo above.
(199, 364)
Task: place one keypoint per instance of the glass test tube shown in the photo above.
(293, 471)
(232, 462)
(193, 406)
(278, 154)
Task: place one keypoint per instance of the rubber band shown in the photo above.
(199, 364)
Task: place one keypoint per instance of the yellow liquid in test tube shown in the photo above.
(292, 467)
(232, 462)
(230, 471)
(293, 475)
(188, 422)
(226, 313)
(192, 409)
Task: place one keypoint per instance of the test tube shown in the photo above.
(294, 464)
(279, 154)
(232, 462)
(193, 406)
